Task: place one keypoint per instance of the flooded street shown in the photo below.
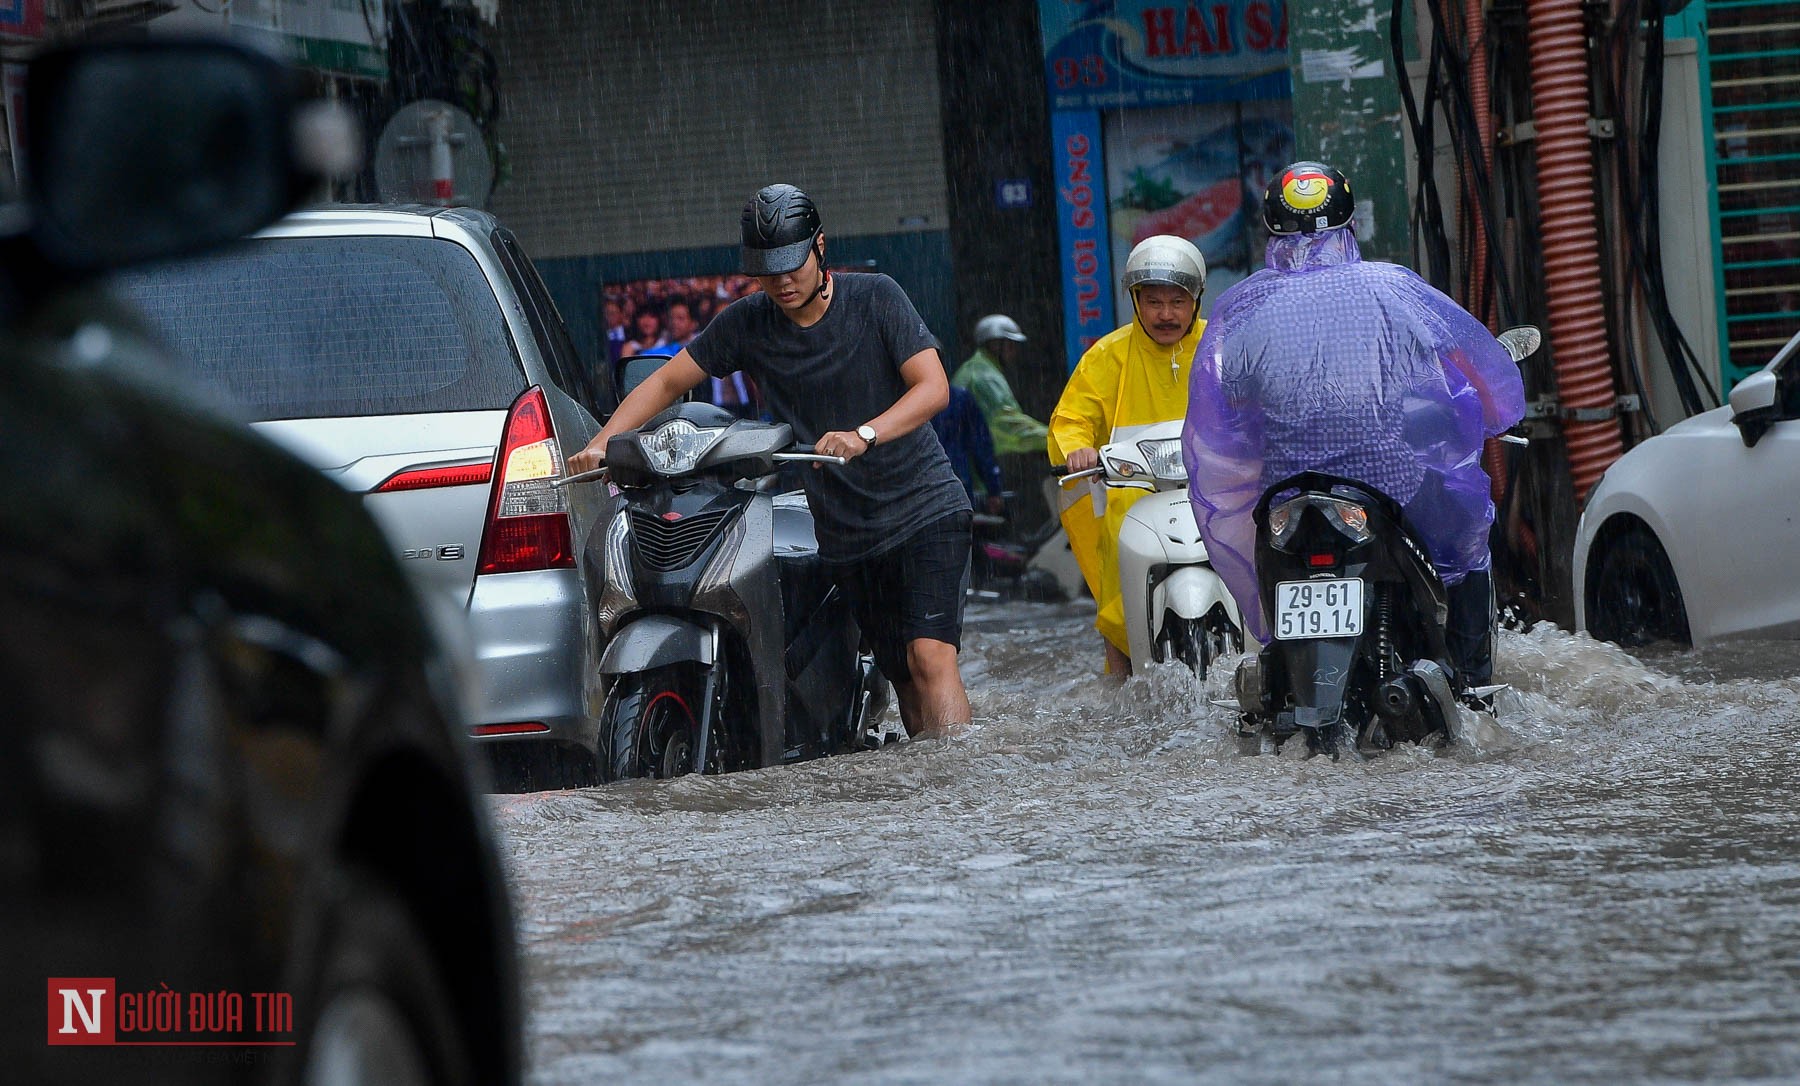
(1097, 886)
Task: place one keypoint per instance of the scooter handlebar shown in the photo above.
(580, 477)
(804, 455)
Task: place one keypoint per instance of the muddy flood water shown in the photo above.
(1096, 886)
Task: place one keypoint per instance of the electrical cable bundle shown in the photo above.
(1626, 59)
(1447, 90)
(1503, 285)
(1629, 61)
(1635, 148)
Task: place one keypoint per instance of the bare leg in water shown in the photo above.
(933, 704)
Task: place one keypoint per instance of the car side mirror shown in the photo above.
(1753, 406)
(1521, 342)
(144, 150)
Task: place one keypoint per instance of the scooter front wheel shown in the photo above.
(1197, 642)
(651, 724)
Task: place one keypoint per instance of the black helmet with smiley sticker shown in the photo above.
(1306, 198)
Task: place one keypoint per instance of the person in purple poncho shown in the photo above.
(1324, 361)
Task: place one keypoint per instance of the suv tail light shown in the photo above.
(433, 478)
(528, 519)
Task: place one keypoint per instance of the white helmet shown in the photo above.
(1167, 259)
(997, 326)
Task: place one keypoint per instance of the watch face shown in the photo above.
(867, 433)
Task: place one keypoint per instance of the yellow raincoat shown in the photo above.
(1125, 379)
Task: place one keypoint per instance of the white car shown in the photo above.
(1692, 536)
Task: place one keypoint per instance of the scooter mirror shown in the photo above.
(1521, 342)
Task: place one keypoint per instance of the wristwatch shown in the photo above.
(867, 433)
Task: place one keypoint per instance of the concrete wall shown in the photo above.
(635, 132)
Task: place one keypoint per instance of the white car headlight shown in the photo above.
(1163, 457)
(676, 446)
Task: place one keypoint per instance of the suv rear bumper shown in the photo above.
(529, 655)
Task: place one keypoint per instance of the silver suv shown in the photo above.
(414, 355)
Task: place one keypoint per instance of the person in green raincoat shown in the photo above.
(997, 339)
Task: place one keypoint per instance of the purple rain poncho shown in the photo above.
(1326, 362)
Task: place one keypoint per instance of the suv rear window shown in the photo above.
(330, 327)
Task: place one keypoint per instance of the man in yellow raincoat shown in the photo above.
(1131, 377)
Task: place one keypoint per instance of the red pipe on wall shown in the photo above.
(1493, 456)
(1565, 180)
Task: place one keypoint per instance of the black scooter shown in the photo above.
(728, 646)
(1358, 616)
(1357, 613)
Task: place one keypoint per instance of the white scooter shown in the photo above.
(1176, 607)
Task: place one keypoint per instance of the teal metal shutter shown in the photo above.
(1751, 54)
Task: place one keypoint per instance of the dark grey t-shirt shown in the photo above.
(837, 375)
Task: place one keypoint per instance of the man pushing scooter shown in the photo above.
(847, 362)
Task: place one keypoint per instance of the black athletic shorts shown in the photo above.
(911, 590)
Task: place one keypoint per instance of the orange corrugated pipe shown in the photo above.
(1493, 457)
(1480, 94)
(1566, 207)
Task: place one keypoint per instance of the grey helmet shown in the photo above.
(1165, 259)
(997, 326)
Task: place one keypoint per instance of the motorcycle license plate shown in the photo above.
(1325, 608)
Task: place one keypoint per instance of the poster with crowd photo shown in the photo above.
(654, 313)
(660, 316)
(663, 315)
(1198, 172)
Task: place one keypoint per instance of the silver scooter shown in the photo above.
(728, 645)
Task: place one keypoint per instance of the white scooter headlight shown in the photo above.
(676, 446)
(1163, 458)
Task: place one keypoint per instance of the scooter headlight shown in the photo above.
(618, 594)
(676, 446)
(714, 591)
(1163, 458)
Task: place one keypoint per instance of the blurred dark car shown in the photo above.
(239, 836)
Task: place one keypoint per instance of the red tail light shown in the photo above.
(528, 727)
(431, 478)
(1318, 561)
(528, 519)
